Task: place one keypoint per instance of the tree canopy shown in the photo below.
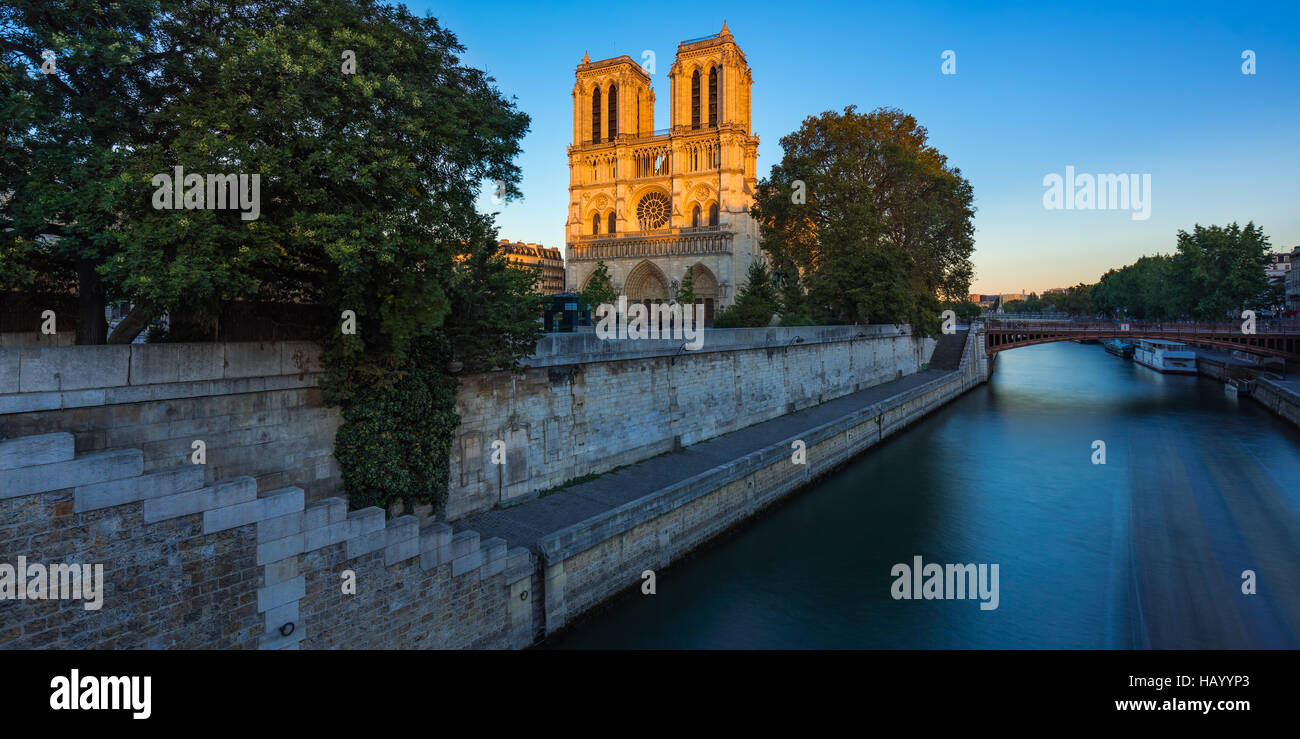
(370, 141)
(865, 221)
(1215, 273)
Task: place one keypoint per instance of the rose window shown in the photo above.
(652, 211)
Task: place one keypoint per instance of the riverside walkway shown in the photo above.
(523, 524)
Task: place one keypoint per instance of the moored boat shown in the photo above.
(1170, 357)
(1120, 348)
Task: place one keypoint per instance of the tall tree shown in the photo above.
(686, 291)
(599, 289)
(870, 217)
(756, 303)
(1222, 268)
(78, 80)
(369, 140)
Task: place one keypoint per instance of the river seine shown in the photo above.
(1197, 500)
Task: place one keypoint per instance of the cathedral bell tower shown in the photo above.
(653, 204)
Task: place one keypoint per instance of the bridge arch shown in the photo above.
(1006, 335)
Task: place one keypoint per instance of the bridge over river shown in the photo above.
(1274, 339)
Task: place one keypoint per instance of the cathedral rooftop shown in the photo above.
(587, 66)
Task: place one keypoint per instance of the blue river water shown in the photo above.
(1149, 550)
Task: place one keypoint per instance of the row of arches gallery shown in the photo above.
(649, 285)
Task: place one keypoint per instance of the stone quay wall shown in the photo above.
(596, 559)
(582, 406)
(1281, 398)
(1278, 398)
(586, 406)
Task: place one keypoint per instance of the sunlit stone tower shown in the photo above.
(651, 203)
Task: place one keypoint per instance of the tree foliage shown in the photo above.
(78, 82)
(1215, 273)
(885, 233)
(599, 289)
(368, 182)
(686, 290)
(756, 303)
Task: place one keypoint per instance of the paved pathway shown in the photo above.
(523, 524)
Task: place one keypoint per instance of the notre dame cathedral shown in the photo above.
(652, 203)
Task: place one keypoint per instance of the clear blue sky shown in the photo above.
(1105, 87)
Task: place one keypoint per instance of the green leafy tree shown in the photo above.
(964, 309)
(1216, 272)
(884, 232)
(686, 290)
(368, 182)
(756, 303)
(1222, 269)
(78, 82)
(1077, 301)
(600, 288)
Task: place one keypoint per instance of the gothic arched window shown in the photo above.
(713, 214)
(595, 224)
(695, 99)
(613, 111)
(611, 223)
(695, 217)
(713, 98)
(595, 116)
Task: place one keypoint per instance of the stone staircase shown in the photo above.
(948, 352)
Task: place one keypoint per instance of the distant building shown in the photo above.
(536, 255)
(1293, 281)
(1279, 264)
(1055, 290)
(985, 301)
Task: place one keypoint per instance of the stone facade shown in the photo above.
(584, 405)
(651, 204)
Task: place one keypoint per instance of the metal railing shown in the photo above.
(1268, 326)
(655, 233)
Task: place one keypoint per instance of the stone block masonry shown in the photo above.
(254, 405)
(1283, 398)
(192, 565)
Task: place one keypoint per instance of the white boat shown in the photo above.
(1171, 357)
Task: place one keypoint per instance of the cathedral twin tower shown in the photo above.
(650, 203)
